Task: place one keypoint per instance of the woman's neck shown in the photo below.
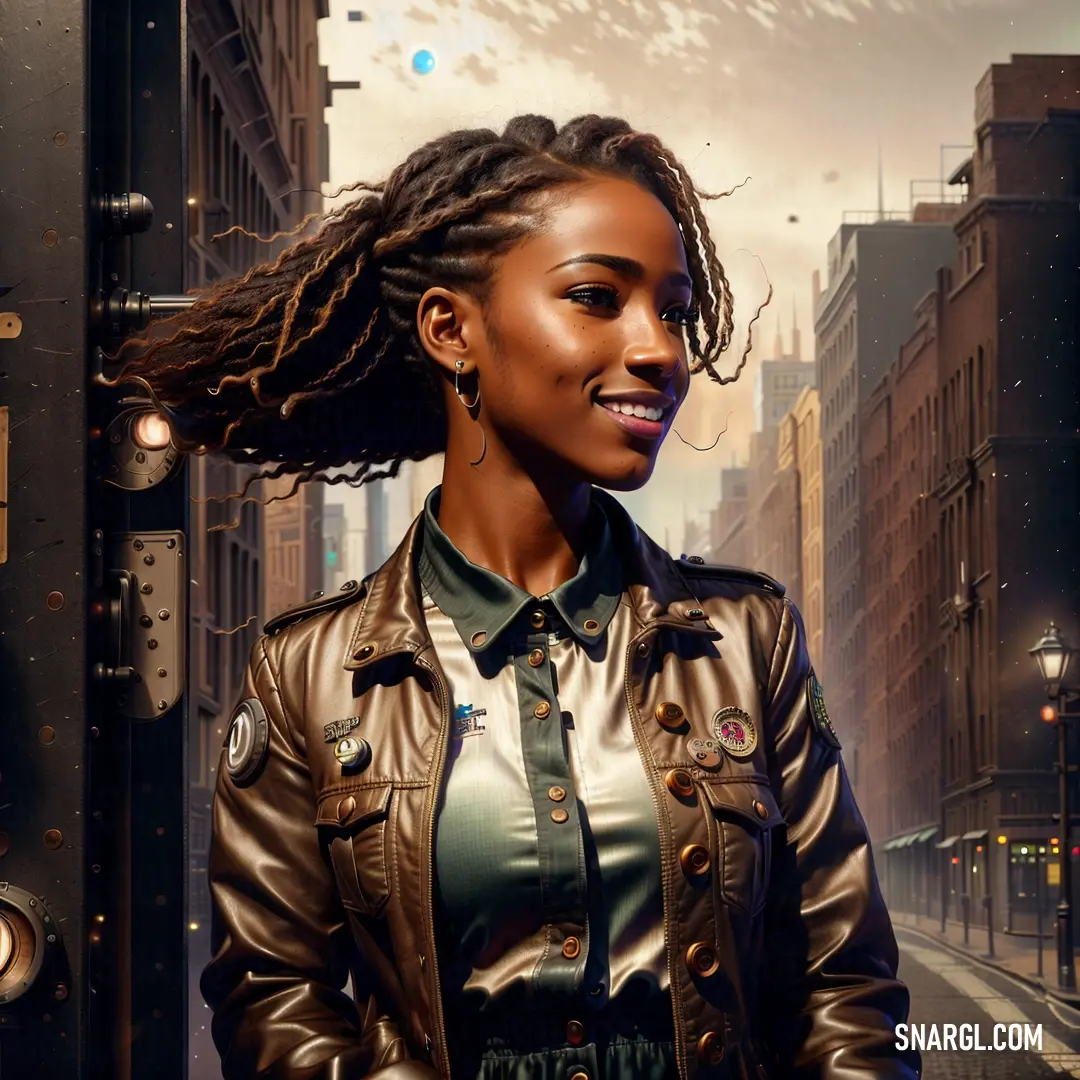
(500, 518)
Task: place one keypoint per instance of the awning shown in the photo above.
(941, 845)
(908, 840)
(904, 840)
(975, 834)
(925, 835)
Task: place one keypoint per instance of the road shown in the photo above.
(950, 989)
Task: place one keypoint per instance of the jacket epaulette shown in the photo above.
(696, 566)
(351, 590)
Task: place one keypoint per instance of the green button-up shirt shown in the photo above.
(547, 854)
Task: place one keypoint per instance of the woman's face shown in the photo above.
(583, 363)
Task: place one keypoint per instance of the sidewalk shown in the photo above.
(1014, 955)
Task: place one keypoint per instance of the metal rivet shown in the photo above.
(366, 651)
(542, 710)
(47, 735)
(571, 948)
(556, 793)
(643, 649)
(710, 1049)
(536, 657)
(695, 613)
(592, 625)
(55, 600)
(575, 1032)
(560, 817)
(537, 619)
(761, 810)
(54, 838)
(478, 639)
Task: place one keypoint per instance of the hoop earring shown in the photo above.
(470, 405)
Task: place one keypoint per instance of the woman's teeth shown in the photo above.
(640, 411)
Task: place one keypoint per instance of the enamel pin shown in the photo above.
(735, 731)
(339, 728)
(815, 698)
(353, 754)
(705, 752)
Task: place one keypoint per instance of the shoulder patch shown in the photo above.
(350, 591)
(815, 699)
(696, 566)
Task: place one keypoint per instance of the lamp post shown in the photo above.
(1057, 665)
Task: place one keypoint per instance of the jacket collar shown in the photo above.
(391, 620)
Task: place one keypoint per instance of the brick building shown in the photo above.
(1005, 469)
(876, 274)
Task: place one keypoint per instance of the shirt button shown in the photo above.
(679, 782)
(537, 619)
(571, 948)
(556, 793)
(560, 817)
(702, 960)
(542, 710)
(669, 714)
(694, 859)
(710, 1049)
(575, 1033)
(536, 657)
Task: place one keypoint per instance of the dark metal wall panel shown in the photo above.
(43, 276)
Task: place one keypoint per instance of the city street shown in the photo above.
(950, 989)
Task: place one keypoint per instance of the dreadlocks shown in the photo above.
(313, 361)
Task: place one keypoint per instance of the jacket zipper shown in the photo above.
(676, 996)
(429, 908)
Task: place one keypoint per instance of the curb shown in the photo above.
(1072, 1001)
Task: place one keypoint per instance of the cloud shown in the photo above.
(473, 66)
(418, 14)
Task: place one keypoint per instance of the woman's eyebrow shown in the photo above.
(628, 268)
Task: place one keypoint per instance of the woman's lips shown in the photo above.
(636, 425)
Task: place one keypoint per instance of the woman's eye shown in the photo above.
(681, 315)
(596, 296)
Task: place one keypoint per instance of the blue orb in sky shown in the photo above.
(423, 61)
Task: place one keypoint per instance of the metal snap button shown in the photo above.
(643, 649)
(575, 1032)
(669, 714)
(694, 859)
(710, 1049)
(761, 810)
(542, 709)
(478, 639)
(702, 960)
(556, 793)
(366, 651)
(560, 817)
(679, 782)
(571, 948)
(592, 625)
(536, 657)
(537, 619)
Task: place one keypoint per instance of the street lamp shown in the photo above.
(1057, 666)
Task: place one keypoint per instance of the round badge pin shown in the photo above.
(735, 731)
(248, 742)
(705, 752)
(353, 754)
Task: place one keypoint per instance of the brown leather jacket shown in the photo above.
(781, 955)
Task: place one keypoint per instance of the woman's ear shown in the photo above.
(450, 326)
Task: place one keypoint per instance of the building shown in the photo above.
(727, 522)
(876, 274)
(904, 597)
(1004, 470)
(334, 544)
(258, 154)
(800, 446)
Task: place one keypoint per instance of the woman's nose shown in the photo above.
(653, 344)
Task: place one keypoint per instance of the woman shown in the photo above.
(560, 806)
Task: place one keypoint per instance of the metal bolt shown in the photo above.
(152, 643)
(138, 545)
(162, 704)
(55, 600)
(146, 587)
(148, 559)
(145, 620)
(162, 672)
(60, 138)
(54, 839)
(163, 614)
(50, 238)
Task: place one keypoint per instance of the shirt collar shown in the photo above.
(482, 604)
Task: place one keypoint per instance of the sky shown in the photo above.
(792, 99)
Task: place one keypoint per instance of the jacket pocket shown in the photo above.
(746, 814)
(354, 825)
